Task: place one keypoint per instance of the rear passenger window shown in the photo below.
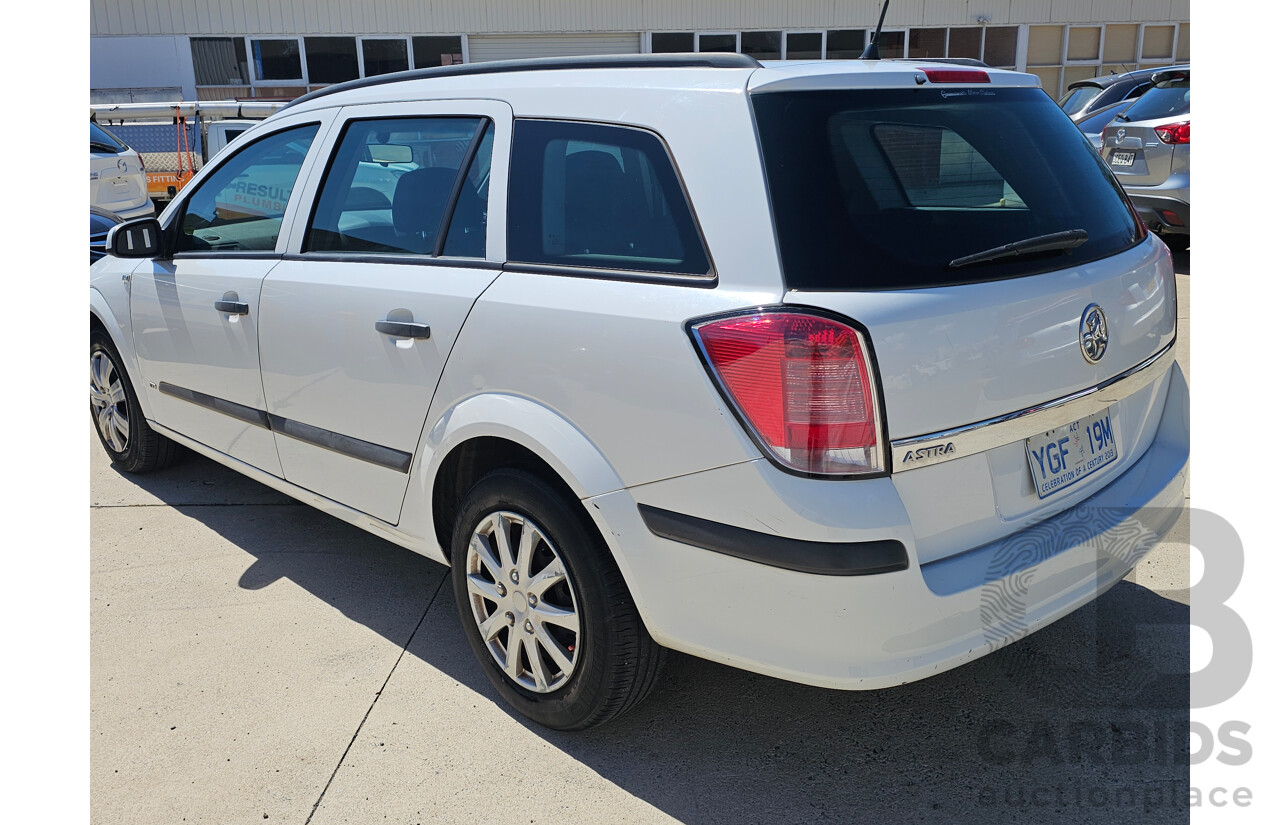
(604, 197)
(391, 188)
(241, 205)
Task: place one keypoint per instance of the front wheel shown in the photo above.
(544, 606)
(117, 416)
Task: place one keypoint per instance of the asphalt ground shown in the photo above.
(253, 659)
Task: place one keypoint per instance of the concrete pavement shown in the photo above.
(255, 660)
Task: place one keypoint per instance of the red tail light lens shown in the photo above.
(957, 76)
(1174, 133)
(804, 385)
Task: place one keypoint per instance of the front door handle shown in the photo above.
(232, 307)
(403, 329)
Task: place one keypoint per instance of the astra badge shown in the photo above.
(1093, 333)
(936, 451)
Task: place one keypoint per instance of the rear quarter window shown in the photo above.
(599, 197)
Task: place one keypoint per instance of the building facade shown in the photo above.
(152, 50)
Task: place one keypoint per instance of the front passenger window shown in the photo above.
(241, 205)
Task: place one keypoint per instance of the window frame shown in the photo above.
(708, 280)
(175, 217)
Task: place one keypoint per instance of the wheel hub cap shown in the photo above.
(531, 627)
(107, 402)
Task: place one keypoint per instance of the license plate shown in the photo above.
(1061, 457)
(1122, 158)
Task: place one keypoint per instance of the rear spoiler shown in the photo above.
(1171, 74)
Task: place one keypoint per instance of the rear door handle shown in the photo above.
(232, 307)
(403, 329)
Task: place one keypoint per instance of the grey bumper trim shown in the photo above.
(823, 558)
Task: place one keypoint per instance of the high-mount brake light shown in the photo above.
(957, 76)
(1175, 133)
(804, 385)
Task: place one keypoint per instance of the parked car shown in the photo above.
(1093, 124)
(806, 369)
(1084, 97)
(100, 223)
(1149, 150)
(117, 181)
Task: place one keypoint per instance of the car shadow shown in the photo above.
(1083, 721)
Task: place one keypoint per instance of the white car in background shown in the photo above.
(117, 180)
(845, 372)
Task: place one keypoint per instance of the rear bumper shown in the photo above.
(1166, 207)
(885, 628)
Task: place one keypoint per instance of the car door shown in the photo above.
(405, 233)
(195, 315)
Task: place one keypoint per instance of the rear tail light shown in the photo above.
(957, 76)
(1174, 133)
(804, 387)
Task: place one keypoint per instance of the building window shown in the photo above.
(671, 42)
(436, 51)
(1000, 47)
(331, 59)
(845, 44)
(926, 43)
(277, 60)
(718, 42)
(762, 45)
(382, 56)
(220, 61)
(964, 42)
(804, 46)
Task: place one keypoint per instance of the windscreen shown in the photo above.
(888, 188)
(1079, 97)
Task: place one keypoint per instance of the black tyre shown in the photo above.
(544, 606)
(117, 417)
(1177, 243)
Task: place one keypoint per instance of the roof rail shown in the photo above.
(708, 60)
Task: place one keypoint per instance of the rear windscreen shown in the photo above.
(1170, 99)
(886, 188)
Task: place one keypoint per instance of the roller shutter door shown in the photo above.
(507, 47)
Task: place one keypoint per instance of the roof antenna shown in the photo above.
(872, 51)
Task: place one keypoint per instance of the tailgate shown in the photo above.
(1135, 155)
(953, 356)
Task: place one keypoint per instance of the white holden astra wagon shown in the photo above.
(845, 373)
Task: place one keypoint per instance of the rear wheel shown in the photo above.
(117, 416)
(1177, 243)
(544, 606)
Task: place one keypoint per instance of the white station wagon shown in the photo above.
(845, 372)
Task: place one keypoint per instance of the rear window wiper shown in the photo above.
(1069, 239)
(103, 147)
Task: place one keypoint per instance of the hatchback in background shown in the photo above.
(117, 181)
(1085, 97)
(1148, 148)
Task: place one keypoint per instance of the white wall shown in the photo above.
(211, 17)
(141, 62)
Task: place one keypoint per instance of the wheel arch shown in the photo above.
(491, 431)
